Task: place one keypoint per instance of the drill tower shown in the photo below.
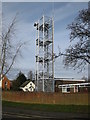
(45, 54)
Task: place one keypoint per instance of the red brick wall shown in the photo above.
(5, 80)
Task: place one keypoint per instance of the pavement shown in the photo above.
(9, 113)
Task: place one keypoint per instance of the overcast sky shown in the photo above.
(64, 14)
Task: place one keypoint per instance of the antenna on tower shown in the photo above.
(89, 5)
(53, 14)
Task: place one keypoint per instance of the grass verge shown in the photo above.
(49, 107)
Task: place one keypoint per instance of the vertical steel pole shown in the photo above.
(53, 52)
(36, 63)
(38, 57)
(43, 53)
(89, 40)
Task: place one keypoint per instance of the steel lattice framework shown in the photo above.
(44, 54)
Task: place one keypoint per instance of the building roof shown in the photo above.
(79, 84)
(69, 79)
(25, 83)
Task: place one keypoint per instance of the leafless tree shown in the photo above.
(78, 54)
(30, 75)
(9, 50)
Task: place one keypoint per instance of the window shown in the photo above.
(65, 89)
(68, 89)
(6, 83)
(31, 89)
(26, 89)
(30, 84)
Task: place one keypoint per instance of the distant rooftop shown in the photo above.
(69, 79)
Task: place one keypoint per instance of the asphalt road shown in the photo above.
(17, 113)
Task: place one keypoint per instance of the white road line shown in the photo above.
(23, 115)
(16, 116)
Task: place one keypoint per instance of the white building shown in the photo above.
(66, 88)
(28, 86)
(66, 85)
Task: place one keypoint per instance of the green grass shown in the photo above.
(49, 107)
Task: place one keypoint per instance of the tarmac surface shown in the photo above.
(15, 113)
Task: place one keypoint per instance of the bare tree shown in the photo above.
(30, 75)
(78, 54)
(9, 50)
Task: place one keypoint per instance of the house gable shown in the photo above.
(5, 83)
(28, 86)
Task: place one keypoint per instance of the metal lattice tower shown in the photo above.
(44, 54)
(89, 41)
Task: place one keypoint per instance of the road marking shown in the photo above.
(23, 115)
(16, 116)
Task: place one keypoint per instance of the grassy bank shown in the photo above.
(48, 107)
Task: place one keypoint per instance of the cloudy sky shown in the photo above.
(30, 12)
